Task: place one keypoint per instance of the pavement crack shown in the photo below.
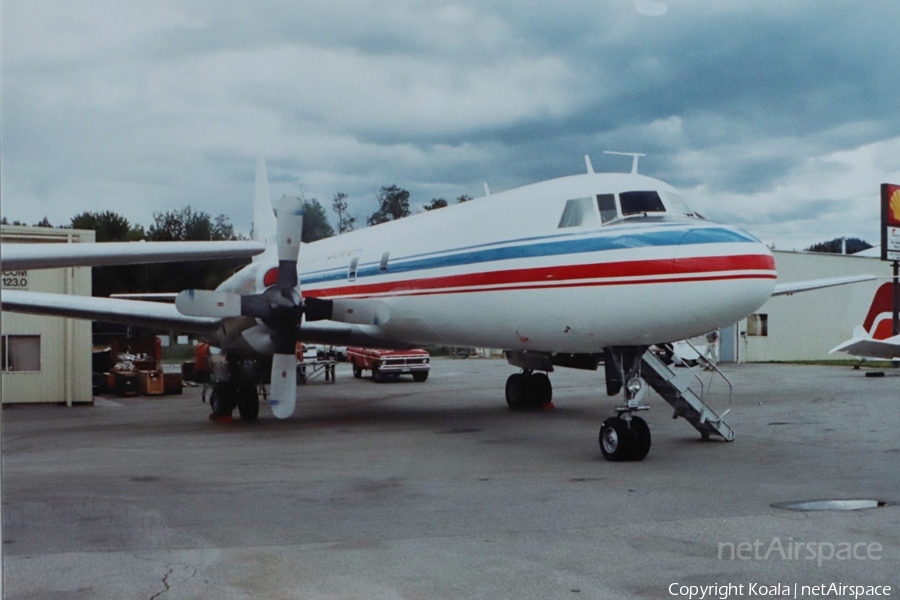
(165, 582)
(167, 578)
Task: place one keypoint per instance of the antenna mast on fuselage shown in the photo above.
(635, 156)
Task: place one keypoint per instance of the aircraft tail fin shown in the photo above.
(879, 321)
(264, 222)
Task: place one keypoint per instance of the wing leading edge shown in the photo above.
(49, 256)
(794, 287)
(112, 310)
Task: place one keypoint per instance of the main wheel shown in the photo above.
(641, 433)
(248, 402)
(617, 440)
(420, 376)
(222, 399)
(541, 390)
(517, 391)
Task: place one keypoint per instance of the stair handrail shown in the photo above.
(715, 369)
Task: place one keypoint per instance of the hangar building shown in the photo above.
(806, 326)
(45, 359)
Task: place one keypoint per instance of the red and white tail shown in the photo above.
(879, 322)
(875, 337)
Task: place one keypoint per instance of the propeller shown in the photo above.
(280, 307)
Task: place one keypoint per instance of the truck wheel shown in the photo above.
(377, 377)
(357, 371)
(420, 376)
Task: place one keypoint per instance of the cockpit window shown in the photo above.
(607, 205)
(634, 203)
(579, 211)
(679, 206)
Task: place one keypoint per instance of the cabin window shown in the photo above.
(607, 205)
(635, 203)
(578, 212)
(384, 261)
(21, 353)
(351, 273)
(758, 325)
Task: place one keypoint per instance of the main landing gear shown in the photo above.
(236, 385)
(528, 390)
(626, 436)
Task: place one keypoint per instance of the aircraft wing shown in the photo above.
(130, 312)
(869, 348)
(793, 287)
(48, 256)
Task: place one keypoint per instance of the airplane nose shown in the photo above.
(733, 272)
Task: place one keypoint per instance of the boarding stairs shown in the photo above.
(688, 394)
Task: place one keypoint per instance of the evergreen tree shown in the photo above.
(834, 246)
(436, 203)
(393, 204)
(315, 223)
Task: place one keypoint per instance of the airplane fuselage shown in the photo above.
(569, 265)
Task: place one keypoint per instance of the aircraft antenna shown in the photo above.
(587, 162)
(635, 156)
(487, 190)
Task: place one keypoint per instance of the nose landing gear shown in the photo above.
(626, 436)
(622, 440)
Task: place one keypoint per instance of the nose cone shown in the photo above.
(733, 273)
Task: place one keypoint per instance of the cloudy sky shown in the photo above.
(781, 116)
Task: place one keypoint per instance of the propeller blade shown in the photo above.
(289, 229)
(207, 303)
(283, 390)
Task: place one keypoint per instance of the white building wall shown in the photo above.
(806, 326)
(65, 363)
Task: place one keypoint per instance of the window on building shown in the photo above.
(579, 211)
(21, 353)
(758, 325)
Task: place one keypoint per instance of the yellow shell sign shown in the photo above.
(894, 207)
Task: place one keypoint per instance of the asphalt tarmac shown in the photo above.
(436, 490)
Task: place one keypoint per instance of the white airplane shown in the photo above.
(567, 272)
(875, 337)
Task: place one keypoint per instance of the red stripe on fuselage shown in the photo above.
(618, 273)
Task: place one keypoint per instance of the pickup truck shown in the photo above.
(386, 364)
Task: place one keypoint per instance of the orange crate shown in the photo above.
(151, 383)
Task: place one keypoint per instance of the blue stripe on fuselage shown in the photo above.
(553, 246)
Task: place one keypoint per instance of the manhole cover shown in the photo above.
(830, 505)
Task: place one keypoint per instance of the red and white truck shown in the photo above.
(390, 364)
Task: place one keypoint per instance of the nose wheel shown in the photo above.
(624, 439)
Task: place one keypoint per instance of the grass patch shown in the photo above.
(177, 354)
